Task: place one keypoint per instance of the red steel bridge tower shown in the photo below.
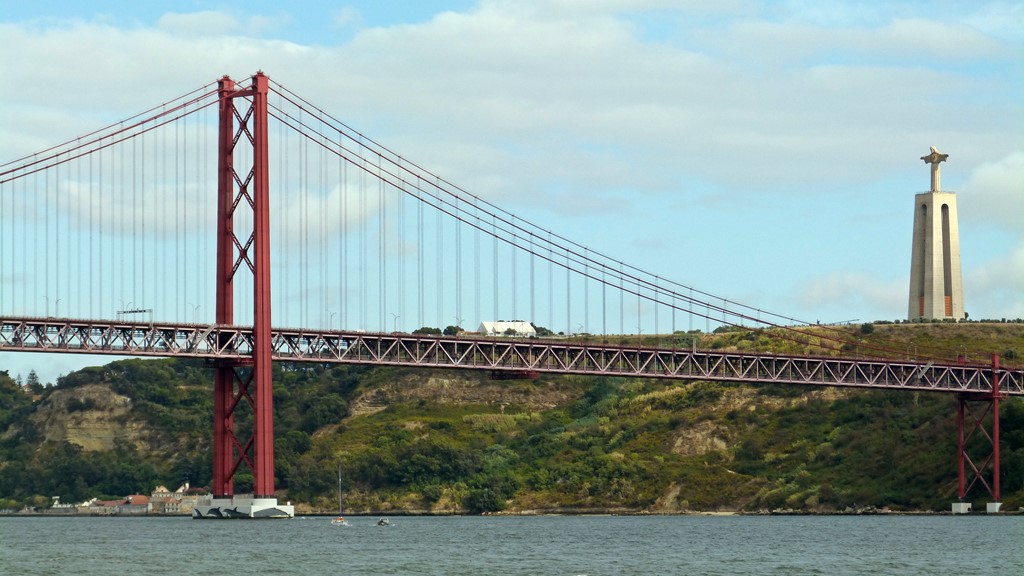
(240, 382)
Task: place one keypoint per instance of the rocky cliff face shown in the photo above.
(92, 416)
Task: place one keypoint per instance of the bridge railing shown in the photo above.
(496, 354)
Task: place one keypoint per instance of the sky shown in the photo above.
(768, 152)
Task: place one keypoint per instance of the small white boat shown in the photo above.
(339, 521)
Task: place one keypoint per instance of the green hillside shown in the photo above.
(455, 441)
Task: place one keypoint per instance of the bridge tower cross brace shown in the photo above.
(245, 381)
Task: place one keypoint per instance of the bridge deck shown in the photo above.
(498, 354)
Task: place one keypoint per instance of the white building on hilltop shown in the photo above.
(503, 328)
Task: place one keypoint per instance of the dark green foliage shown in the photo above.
(14, 403)
(483, 500)
(65, 470)
(432, 462)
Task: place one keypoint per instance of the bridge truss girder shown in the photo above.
(237, 343)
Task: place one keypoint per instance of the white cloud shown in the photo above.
(995, 289)
(999, 19)
(856, 291)
(347, 16)
(199, 23)
(994, 194)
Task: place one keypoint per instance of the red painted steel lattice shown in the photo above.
(249, 378)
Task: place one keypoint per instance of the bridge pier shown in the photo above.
(242, 507)
(988, 405)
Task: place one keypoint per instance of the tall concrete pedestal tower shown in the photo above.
(936, 285)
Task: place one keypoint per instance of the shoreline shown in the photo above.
(551, 512)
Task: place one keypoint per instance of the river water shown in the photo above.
(562, 545)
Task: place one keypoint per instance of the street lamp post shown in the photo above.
(195, 311)
(395, 326)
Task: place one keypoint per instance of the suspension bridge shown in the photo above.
(152, 237)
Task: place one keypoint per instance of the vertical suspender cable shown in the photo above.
(303, 228)
(673, 314)
(513, 248)
(655, 302)
(191, 222)
(162, 207)
(322, 241)
(343, 239)
(439, 282)
(622, 302)
(440, 263)
(568, 298)
(178, 217)
(24, 220)
(91, 289)
(400, 254)
(533, 281)
(120, 259)
(458, 262)
(280, 294)
(586, 291)
(101, 199)
(135, 218)
(476, 260)
(494, 263)
(142, 224)
(689, 307)
(551, 284)
(382, 274)
(46, 239)
(22, 227)
(420, 250)
(363, 306)
(639, 322)
(4, 215)
(56, 240)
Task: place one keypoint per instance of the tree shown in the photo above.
(33, 383)
(483, 500)
(453, 331)
(427, 331)
(542, 331)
